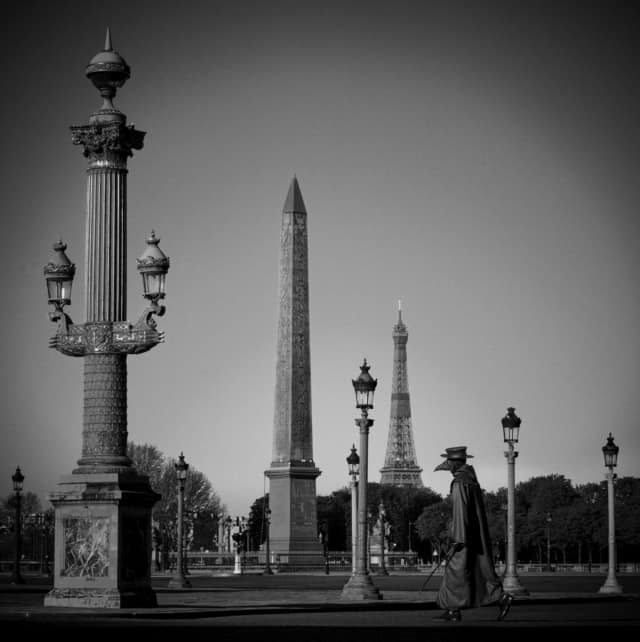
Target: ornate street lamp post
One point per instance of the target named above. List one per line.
(97, 561)
(179, 580)
(18, 479)
(511, 429)
(267, 558)
(354, 469)
(360, 586)
(610, 452)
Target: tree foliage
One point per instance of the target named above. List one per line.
(202, 506)
(550, 512)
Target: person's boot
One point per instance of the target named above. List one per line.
(449, 615)
(504, 605)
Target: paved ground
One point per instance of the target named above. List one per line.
(306, 608)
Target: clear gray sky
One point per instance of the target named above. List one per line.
(478, 160)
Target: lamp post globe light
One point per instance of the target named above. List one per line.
(353, 462)
(511, 430)
(360, 585)
(97, 561)
(17, 478)
(610, 451)
(179, 580)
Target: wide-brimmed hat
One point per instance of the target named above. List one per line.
(456, 453)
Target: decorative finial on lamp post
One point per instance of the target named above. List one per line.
(108, 71)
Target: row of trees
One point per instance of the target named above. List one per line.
(549, 510)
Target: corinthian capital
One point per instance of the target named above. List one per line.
(111, 141)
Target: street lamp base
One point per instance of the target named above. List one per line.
(267, 571)
(16, 578)
(610, 586)
(511, 584)
(360, 587)
(179, 581)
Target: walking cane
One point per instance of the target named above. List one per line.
(446, 558)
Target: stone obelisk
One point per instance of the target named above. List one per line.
(292, 474)
(400, 465)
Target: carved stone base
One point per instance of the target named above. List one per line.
(101, 598)
(102, 554)
(360, 587)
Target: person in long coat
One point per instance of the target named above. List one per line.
(469, 578)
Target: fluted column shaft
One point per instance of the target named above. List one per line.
(611, 584)
(106, 245)
(511, 581)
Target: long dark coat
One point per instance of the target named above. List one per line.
(469, 579)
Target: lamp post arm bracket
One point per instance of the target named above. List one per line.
(70, 339)
(138, 338)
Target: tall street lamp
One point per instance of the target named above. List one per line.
(511, 429)
(548, 519)
(17, 478)
(354, 469)
(383, 532)
(610, 451)
(179, 580)
(105, 499)
(360, 585)
(267, 558)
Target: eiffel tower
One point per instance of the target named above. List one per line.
(400, 465)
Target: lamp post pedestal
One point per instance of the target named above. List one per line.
(511, 582)
(91, 568)
(611, 584)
